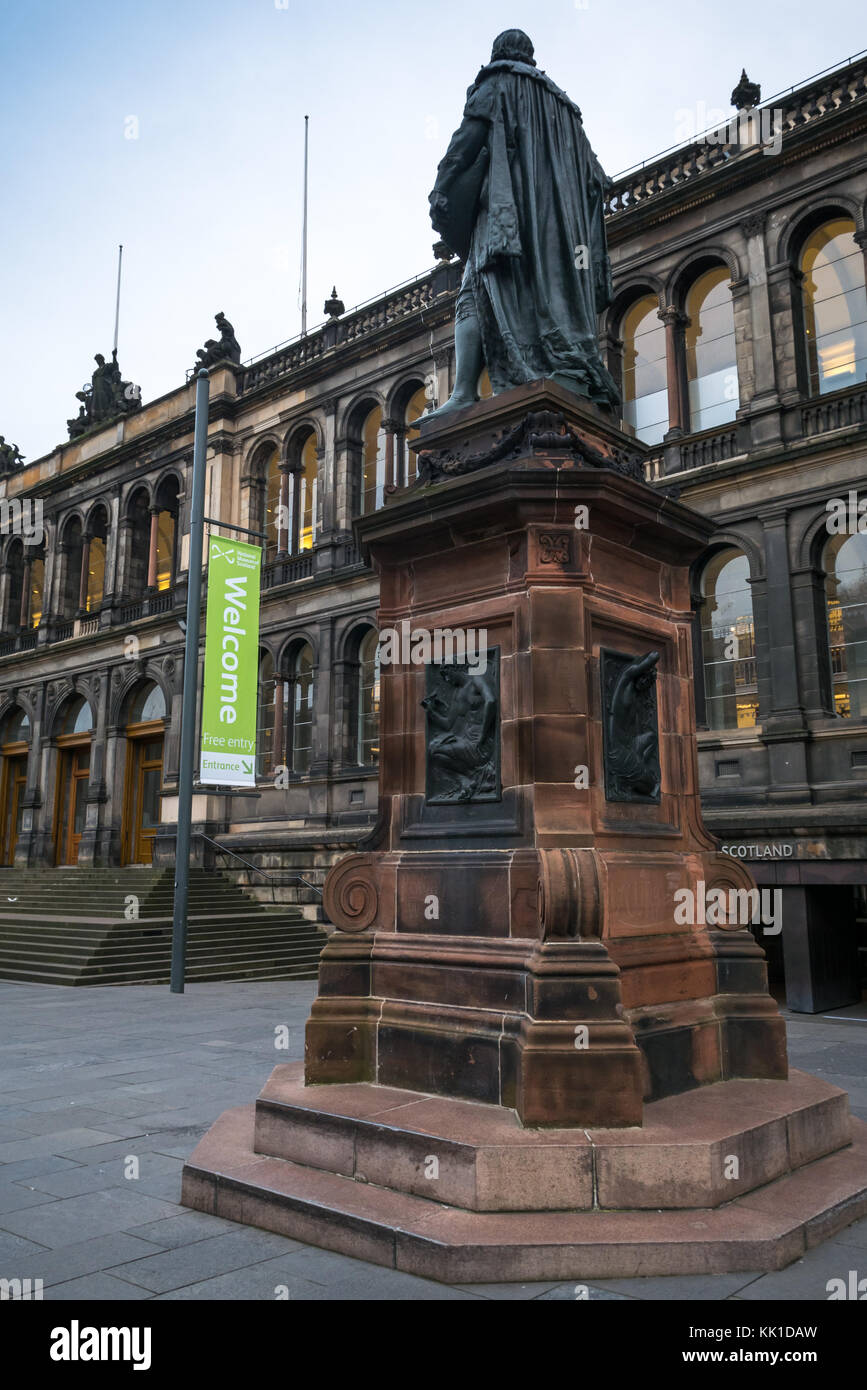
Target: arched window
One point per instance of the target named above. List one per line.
(368, 699)
(166, 533)
(307, 484)
(373, 461)
(147, 703)
(835, 307)
(137, 544)
(76, 718)
(645, 384)
(302, 485)
(96, 549)
(711, 363)
(728, 642)
(484, 389)
(415, 408)
(301, 711)
(72, 544)
(14, 585)
(845, 564)
(273, 701)
(16, 728)
(37, 590)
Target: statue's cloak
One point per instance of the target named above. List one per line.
(525, 211)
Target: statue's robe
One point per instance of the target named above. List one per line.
(519, 196)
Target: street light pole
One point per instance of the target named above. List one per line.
(191, 672)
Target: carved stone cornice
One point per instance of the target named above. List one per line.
(539, 429)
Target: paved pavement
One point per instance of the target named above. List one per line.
(104, 1093)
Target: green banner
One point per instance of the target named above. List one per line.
(229, 698)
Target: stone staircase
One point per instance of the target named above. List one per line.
(70, 927)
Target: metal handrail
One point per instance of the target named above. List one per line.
(224, 849)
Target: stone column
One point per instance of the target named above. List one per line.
(675, 322)
(390, 426)
(675, 374)
(321, 755)
(279, 720)
(327, 472)
(785, 291)
(764, 406)
(90, 849)
(284, 538)
(85, 569)
(343, 737)
(784, 728)
(152, 547)
(442, 357)
(346, 487)
(24, 615)
(611, 348)
(27, 847)
(111, 552)
(58, 577)
(811, 634)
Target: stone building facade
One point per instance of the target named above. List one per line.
(738, 333)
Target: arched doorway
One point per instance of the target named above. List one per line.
(73, 775)
(145, 730)
(14, 747)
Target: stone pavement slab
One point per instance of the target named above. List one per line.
(92, 1076)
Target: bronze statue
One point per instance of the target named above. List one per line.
(519, 197)
(631, 727)
(225, 349)
(462, 737)
(107, 397)
(11, 456)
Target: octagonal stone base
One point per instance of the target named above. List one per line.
(742, 1175)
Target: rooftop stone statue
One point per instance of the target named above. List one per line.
(519, 197)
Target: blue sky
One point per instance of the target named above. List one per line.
(207, 198)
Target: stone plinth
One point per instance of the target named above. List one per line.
(523, 1062)
(520, 947)
(462, 1192)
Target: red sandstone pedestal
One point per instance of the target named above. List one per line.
(511, 1001)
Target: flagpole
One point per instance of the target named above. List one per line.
(117, 302)
(188, 699)
(304, 241)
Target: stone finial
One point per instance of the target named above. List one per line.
(334, 307)
(746, 94)
(442, 252)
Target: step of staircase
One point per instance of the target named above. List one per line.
(68, 927)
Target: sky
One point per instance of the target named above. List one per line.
(176, 127)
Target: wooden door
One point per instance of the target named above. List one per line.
(12, 805)
(142, 802)
(73, 777)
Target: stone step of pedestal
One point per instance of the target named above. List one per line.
(762, 1230)
(698, 1149)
